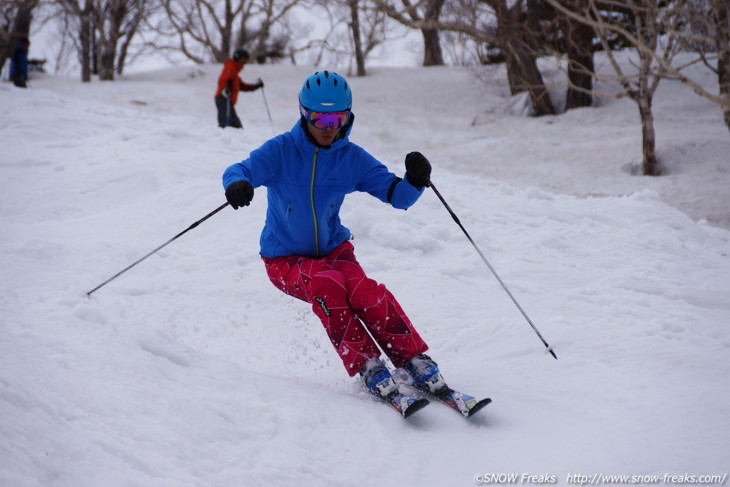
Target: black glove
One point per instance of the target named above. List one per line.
(239, 193)
(225, 92)
(260, 84)
(418, 170)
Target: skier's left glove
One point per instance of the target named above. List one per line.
(239, 193)
(418, 170)
(225, 92)
(260, 84)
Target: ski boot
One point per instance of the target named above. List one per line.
(379, 382)
(425, 374)
(426, 377)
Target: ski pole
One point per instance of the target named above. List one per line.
(159, 248)
(504, 286)
(271, 121)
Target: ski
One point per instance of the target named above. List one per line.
(404, 404)
(465, 404)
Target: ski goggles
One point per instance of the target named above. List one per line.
(325, 120)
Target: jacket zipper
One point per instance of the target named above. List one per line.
(311, 198)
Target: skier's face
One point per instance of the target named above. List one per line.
(323, 137)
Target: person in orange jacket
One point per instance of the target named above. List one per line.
(229, 84)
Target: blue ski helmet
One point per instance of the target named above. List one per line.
(326, 91)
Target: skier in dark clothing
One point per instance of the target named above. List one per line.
(19, 64)
(307, 251)
(229, 84)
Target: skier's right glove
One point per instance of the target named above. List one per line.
(239, 193)
(225, 92)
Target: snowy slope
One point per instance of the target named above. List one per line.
(192, 370)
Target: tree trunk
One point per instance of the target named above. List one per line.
(23, 18)
(123, 50)
(524, 75)
(85, 42)
(528, 77)
(107, 58)
(580, 65)
(355, 26)
(650, 164)
(647, 87)
(522, 71)
(117, 13)
(131, 31)
(94, 49)
(6, 39)
(432, 53)
(227, 34)
(722, 40)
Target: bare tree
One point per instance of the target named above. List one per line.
(424, 16)
(130, 30)
(83, 16)
(655, 35)
(721, 19)
(356, 36)
(708, 34)
(502, 24)
(263, 42)
(15, 19)
(642, 84)
(575, 42)
(368, 30)
(329, 42)
(356, 29)
(103, 31)
(514, 37)
(116, 22)
(462, 47)
(209, 29)
(523, 32)
(432, 53)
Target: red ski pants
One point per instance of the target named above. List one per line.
(350, 305)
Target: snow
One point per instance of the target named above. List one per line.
(191, 369)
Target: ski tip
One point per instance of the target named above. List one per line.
(416, 406)
(478, 406)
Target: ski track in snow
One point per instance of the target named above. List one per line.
(192, 370)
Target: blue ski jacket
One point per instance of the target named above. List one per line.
(306, 185)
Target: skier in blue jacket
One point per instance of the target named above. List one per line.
(307, 252)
